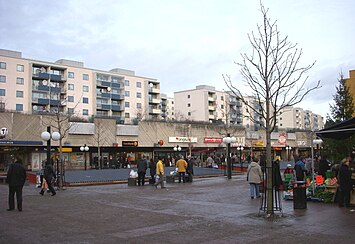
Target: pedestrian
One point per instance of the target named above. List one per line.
(277, 180)
(49, 176)
(190, 168)
(254, 177)
(300, 169)
(209, 162)
(181, 165)
(159, 173)
(142, 165)
(288, 170)
(344, 181)
(152, 167)
(16, 177)
(323, 165)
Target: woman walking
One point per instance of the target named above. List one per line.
(254, 177)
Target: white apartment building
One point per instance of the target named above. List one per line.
(167, 107)
(298, 118)
(33, 86)
(201, 104)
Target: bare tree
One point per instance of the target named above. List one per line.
(99, 139)
(60, 121)
(272, 72)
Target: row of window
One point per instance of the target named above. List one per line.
(19, 67)
(18, 93)
(19, 80)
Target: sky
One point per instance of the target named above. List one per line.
(182, 43)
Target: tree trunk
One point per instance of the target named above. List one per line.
(269, 191)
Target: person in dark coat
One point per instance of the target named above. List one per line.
(153, 168)
(323, 165)
(49, 175)
(142, 165)
(277, 180)
(190, 168)
(344, 180)
(16, 177)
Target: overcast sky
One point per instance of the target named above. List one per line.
(182, 43)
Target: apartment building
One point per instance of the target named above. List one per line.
(203, 103)
(167, 107)
(298, 118)
(350, 83)
(33, 86)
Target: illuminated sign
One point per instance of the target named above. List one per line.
(182, 139)
(130, 143)
(212, 140)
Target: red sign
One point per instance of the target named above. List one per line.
(212, 140)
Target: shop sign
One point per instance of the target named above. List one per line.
(212, 140)
(130, 143)
(301, 143)
(66, 149)
(36, 143)
(282, 138)
(182, 139)
(259, 144)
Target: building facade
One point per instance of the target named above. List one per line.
(66, 86)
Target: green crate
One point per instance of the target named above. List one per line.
(329, 174)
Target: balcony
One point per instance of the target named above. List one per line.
(154, 111)
(154, 100)
(103, 83)
(116, 108)
(211, 116)
(213, 107)
(103, 106)
(117, 96)
(212, 98)
(154, 90)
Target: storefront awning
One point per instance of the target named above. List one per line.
(340, 130)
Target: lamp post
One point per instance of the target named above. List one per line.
(228, 140)
(314, 142)
(177, 148)
(47, 136)
(240, 148)
(84, 149)
(288, 151)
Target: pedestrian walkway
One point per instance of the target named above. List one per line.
(208, 210)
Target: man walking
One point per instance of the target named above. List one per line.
(160, 173)
(190, 167)
(181, 165)
(142, 169)
(16, 177)
(49, 175)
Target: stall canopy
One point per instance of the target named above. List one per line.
(340, 130)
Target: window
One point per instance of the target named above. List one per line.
(172, 113)
(70, 86)
(222, 98)
(139, 105)
(20, 68)
(139, 95)
(126, 93)
(280, 124)
(126, 104)
(19, 107)
(126, 115)
(71, 99)
(70, 110)
(19, 93)
(19, 81)
(126, 82)
(85, 112)
(222, 106)
(2, 79)
(85, 100)
(172, 102)
(2, 92)
(188, 105)
(189, 114)
(70, 74)
(85, 77)
(139, 84)
(85, 88)
(2, 65)
(188, 96)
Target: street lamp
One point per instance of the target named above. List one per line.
(177, 148)
(314, 142)
(288, 151)
(240, 148)
(47, 136)
(86, 149)
(228, 140)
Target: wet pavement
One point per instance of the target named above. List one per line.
(208, 210)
